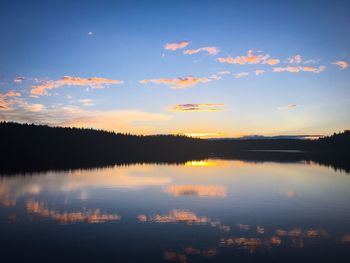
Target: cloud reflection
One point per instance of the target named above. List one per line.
(196, 190)
(88, 216)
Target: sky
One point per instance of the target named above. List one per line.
(200, 68)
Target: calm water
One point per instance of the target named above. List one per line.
(203, 211)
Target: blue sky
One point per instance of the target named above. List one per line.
(256, 67)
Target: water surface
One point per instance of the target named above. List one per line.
(203, 211)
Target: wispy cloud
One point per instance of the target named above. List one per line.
(294, 59)
(140, 122)
(288, 107)
(94, 82)
(299, 69)
(176, 45)
(215, 77)
(259, 72)
(6, 101)
(19, 79)
(86, 102)
(250, 58)
(183, 82)
(29, 107)
(241, 74)
(210, 50)
(341, 64)
(225, 72)
(197, 107)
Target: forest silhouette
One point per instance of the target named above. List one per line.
(29, 147)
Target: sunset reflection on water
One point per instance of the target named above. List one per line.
(254, 208)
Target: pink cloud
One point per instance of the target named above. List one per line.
(259, 72)
(197, 107)
(299, 69)
(5, 102)
(341, 64)
(295, 59)
(175, 46)
(250, 58)
(94, 82)
(210, 50)
(183, 82)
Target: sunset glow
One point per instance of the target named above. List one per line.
(231, 78)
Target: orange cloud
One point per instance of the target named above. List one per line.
(250, 58)
(175, 46)
(341, 64)
(272, 61)
(210, 50)
(183, 82)
(208, 107)
(94, 82)
(313, 69)
(196, 190)
(5, 102)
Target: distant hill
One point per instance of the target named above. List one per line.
(262, 137)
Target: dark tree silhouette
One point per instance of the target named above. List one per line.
(29, 146)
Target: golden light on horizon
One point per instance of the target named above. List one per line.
(201, 163)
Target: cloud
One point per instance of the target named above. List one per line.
(272, 61)
(196, 190)
(5, 102)
(259, 72)
(87, 216)
(240, 75)
(299, 69)
(215, 77)
(86, 102)
(287, 69)
(183, 82)
(341, 64)
(313, 69)
(294, 59)
(94, 82)
(35, 107)
(288, 107)
(137, 121)
(225, 72)
(18, 80)
(210, 50)
(175, 46)
(250, 58)
(91, 33)
(196, 107)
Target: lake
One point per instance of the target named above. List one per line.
(212, 210)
